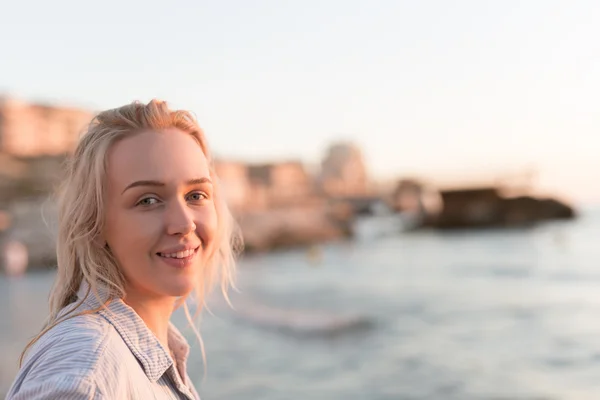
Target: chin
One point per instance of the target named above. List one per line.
(178, 289)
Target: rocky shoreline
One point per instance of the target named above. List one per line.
(488, 208)
(28, 215)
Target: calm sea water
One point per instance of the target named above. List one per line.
(482, 315)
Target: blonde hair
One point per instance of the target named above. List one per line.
(81, 253)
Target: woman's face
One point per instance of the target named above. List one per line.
(160, 215)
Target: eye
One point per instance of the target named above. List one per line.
(197, 196)
(148, 201)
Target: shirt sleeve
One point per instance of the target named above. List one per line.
(63, 387)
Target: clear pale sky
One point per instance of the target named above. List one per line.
(441, 89)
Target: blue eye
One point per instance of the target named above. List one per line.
(148, 201)
(197, 196)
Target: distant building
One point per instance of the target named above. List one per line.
(234, 182)
(34, 130)
(280, 184)
(343, 171)
(260, 186)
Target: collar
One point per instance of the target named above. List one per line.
(144, 345)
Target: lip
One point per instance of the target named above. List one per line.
(179, 262)
(176, 249)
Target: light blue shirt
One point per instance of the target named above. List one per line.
(108, 354)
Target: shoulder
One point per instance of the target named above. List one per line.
(76, 344)
(73, 356)
(65, 386)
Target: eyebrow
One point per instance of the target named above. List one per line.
(197, 181)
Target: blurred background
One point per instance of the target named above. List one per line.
(417, 183)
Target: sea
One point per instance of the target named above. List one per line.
(487, 315)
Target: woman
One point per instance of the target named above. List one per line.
(142, 225)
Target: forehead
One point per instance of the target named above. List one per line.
(168, 156)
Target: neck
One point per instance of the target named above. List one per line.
(155, 311)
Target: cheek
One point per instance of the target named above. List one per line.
(130, 237)
(207, 224)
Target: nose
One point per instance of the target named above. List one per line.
(178, 219)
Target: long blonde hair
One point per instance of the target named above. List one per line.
(81, 255)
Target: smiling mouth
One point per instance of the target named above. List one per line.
(180, 254)
(180, 259)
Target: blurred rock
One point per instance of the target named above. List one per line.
(487, 208)
(292, 226)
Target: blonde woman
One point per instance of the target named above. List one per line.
(142, 226)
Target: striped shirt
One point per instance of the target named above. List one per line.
(108, 354)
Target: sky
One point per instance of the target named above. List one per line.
(444, 90)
